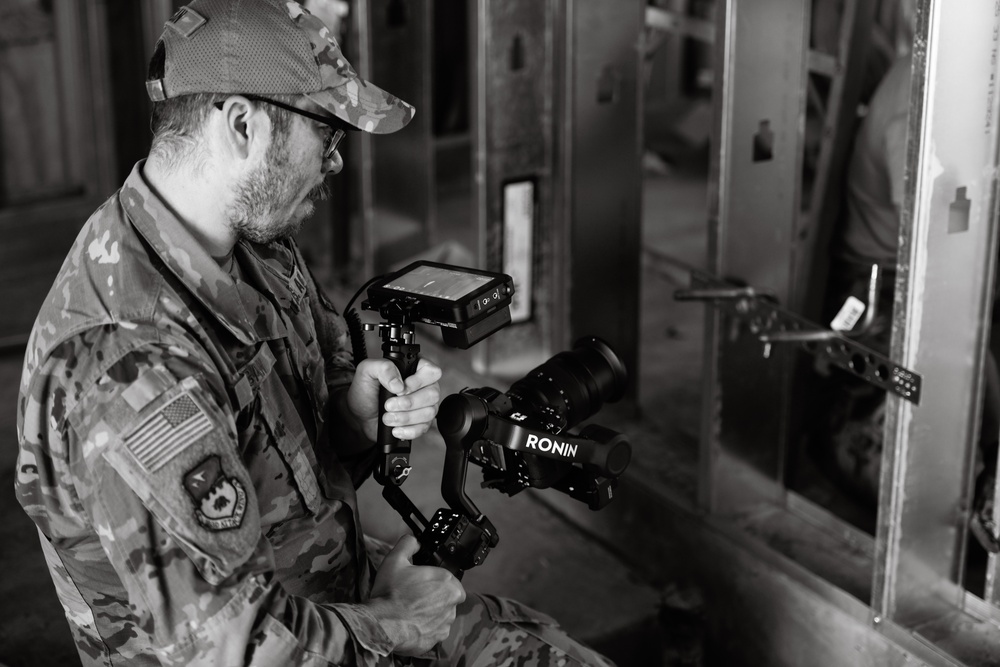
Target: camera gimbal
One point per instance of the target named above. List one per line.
(521, 438)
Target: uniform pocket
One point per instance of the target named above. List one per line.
(505, 610)
(260, 392)
(289, 437)
(274, 644)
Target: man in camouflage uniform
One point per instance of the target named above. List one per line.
(192, 429)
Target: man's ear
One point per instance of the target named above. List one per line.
(244, 124)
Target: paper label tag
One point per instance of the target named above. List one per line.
(849, 314)
(518, 227)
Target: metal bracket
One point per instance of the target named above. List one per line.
(773, 324)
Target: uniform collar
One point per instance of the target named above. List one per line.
(241, 309)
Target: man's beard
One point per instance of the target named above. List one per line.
(267, 192)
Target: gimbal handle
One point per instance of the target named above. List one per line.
(455, 539)
(399, 347)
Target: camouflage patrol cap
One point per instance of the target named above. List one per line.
(263, 47)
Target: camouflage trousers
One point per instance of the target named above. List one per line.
(491, 631)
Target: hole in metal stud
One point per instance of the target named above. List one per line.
(958, 212)
(763, 142)
(516, 53)
(857, 364)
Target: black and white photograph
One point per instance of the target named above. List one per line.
(499, 333)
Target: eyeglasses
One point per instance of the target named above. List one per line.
(336, 125)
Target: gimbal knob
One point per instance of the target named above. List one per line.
(459, 415)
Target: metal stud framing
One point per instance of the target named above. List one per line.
(944, 295)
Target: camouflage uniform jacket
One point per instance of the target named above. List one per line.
(177, 453)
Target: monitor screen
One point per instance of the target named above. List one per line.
(436, 282)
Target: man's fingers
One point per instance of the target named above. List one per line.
(387, 375)
(418, 419)
(427, 373)
(383, 372)
(389, 378)
(411, 407)
(425, 397)
(410, 432)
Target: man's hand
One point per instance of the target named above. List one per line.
(412, 409)
(415, 604)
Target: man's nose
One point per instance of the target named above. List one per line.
(334, 164)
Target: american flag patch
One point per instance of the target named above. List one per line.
(167, 432)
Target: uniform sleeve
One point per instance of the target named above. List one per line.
(176, 512)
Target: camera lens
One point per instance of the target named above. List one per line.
(576, 383)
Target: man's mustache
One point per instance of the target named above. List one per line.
(321, 191)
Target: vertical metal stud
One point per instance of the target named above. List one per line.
(360, 236)
(514, 148)
(399, 166)
(602, 180)
(558, 114)
(753, 210)
(943, 295)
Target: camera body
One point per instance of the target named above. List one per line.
(528, 445)
(525, 438)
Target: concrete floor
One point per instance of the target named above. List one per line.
(544, 558)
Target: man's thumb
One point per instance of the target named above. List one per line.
(404, 549)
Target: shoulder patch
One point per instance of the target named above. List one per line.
(180, 459)
(166, 432)
(219, 500)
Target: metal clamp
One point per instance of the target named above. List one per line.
(723, 293)
(771, 323)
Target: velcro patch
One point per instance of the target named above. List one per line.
(155, 90)
(150, 385)
(186, 21)
(167, 432)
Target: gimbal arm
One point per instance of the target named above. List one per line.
(601, 450)
(462, 419)
(516, 452)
